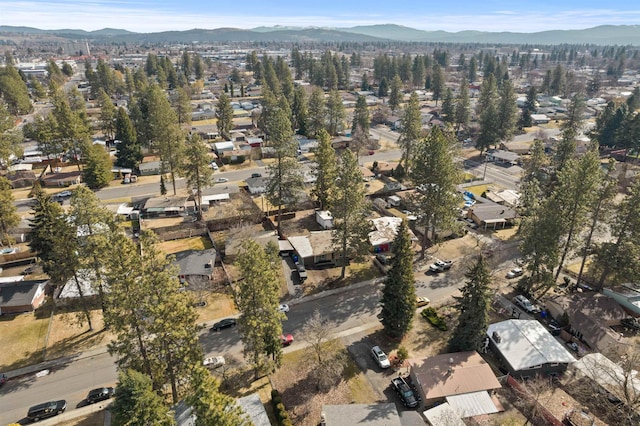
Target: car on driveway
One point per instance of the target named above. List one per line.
(514, 273)
(214, 361)
(404, 391)
(380, 357)
(525, 304)
(46, 410)
(440, 265)
(422, 301)
(283, 307)
(302, 272)
(225, 323)
(100, 394)
(286, 339)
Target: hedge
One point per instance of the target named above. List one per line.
(431, 315)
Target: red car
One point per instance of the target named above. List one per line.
(286, 339)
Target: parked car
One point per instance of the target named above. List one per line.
(225, 323)
(380, 357)
(256, 175)
(283, 307)
(63, 194)
(302, 272)
(440, 265)
(514, 273)
(525, 304)
(222, 180)
(286, 339)
(46, 410)
(214, 361)
(383, 258)
(214, 165)
(471, 224)
(100, 394)
(422, 301)
(404, 391)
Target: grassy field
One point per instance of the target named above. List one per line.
(193, 243)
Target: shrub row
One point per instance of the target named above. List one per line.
(278, 407)
(432, 316)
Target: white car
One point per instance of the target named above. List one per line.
(63, 194)
(380, 357)
(222, 180)
(283, 307)
(525, 304)
(214, 362)
(515, 272)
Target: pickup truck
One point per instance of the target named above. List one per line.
(440, 266)
(405, 392)
(302, 272)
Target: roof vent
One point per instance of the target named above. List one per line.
(208, 264)
(496, 337)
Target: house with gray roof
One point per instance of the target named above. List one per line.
(196, 264)
(150, 168)
(385, 414)
(527, 349)
(22, 296)
(165, 206)
(254, 409)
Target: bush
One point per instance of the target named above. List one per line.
(274, 393)
(432, 316)
(277, 400)
(280, 407)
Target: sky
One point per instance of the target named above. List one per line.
(457, 15)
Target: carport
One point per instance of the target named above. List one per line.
(494, 222)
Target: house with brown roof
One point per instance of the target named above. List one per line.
(440, 377)
(165, 206)
(61, 179)
(22, 296)
(489, 215)
(314, 249)
(591, 316)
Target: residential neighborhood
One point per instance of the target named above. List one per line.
(319, 233)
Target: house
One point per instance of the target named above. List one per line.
(72, 288)
(233, 243)
(501, 156)
(257, 185)
(385, 414)
(150, 168)
(324, 219)
(461, 374)
(489, 215)
(590, 316)
(255, 142)
(527, 349)
(254, 409)
(540, 118)
(221, 147)
(22, 296)
(22, 178)
(165, 206)
(196, 265)
(506, 197)
(314, 249)
(62, 179)
(627, 295)
(386, 228)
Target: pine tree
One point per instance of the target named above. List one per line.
(9, 218)
(383, 88)
(399, 295)
(107, 114)
(349, 208)
(462, 106)
(325, 170)
(411, 129)
(448, 107)
(437, 82)
(317, 113)
(361, 116)
(181, 104)
(224, 116)
(299, 110)
(257, 300)
(396, 95)
(507, 111)
(97, 170)
(335, 113)
(196, 169)
(128, 151)
(473, 305)
(137, 403)
(487, 109)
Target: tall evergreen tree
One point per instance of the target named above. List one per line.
(383, 88)
(257, 300)
(437, 82)
(224, 116)
(9, 217)
(107, 114)
(462, 106)
(411, 129)
(448, 107)
(128, 151)
(349, 208)
(97, 170)
(473, 305)
(196, 169)
(487, 109)
(507, 111)
(399, 295)
(181, 105)
(335, 113)
(395, 96)
(136, 403)
(325, 170)
(317, 112)
(361, 116)
(299, 110)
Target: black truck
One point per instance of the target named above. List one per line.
(404, 391)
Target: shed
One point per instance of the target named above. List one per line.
(324, 219)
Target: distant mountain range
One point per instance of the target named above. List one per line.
(602, 35)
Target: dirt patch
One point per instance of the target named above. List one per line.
(92, 419)
(454, 249)
(304, 401)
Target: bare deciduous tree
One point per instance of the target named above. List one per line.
(328, 358)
